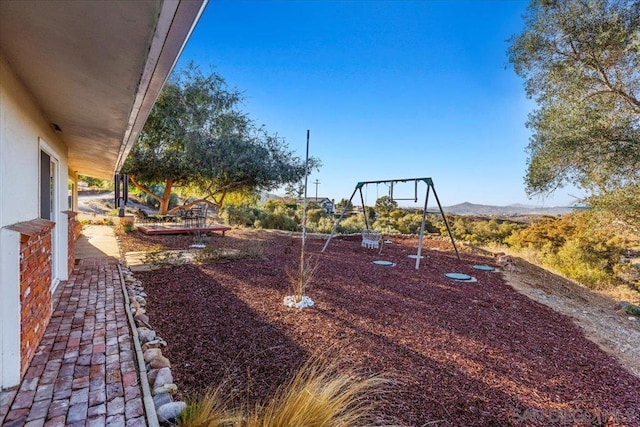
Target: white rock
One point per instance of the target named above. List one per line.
(146, 334)
(170, 411)
(163, 377)
(167, 388)
(290, 301)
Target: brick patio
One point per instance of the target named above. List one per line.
(83, 372)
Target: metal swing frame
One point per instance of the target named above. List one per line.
(430, 187)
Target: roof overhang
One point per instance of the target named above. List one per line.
(96, 68)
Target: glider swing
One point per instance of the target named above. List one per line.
(391, 182)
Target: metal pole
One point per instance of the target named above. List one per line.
(316, 182)
(422, 226)
(446, 223)
(304, 220)
(364, 210)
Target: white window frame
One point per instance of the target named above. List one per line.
(55, 205)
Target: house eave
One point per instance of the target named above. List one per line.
(95, 69)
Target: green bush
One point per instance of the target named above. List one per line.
(277, 221)
(384, 225)
(239, 215)
(578, 262)
(353, 224)
(323, 225)
(315, 215)
(582, 246)
(410, 224)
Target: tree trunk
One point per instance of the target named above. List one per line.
(166, 197)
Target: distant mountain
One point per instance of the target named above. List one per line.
(467, 208)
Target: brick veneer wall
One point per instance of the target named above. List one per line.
(74, 230)
(35, 284)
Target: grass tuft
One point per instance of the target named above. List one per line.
(300, 279)
(318, 395)
(210, 410)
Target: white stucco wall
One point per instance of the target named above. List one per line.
(9, 308)
(24, 130)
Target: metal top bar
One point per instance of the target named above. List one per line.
(429, 181)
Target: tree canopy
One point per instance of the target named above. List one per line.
(581, 63)
(197, 137)
(384, 205)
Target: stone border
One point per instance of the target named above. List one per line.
(147, 398)
(155, 370)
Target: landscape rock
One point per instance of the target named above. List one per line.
(632, 309)
(157, 343)
(167, 388)
(152, 374)
(141, 317)
(162, 399)
(163, 376)
(143, 321)
(159, 362)
(170, 411)
(141, 300)
(146, 334)
(151, 353)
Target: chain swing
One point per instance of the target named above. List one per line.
(430, 187)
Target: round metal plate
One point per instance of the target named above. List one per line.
(458, 276)
(484, 268)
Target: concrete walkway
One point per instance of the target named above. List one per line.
(84, 372)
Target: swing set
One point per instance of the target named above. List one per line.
(391, 183)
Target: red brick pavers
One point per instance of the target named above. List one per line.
(83, 373)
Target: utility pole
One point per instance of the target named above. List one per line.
(316, 182)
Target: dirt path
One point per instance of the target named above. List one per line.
(613, 331)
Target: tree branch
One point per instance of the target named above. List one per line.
(143, 188)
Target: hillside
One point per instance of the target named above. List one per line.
(517, 209)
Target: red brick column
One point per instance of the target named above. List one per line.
(35, 284)
(74, 230)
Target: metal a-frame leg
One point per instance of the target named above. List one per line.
(336, 222)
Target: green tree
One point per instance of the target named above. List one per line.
(245, 197)
(342, 203)
(196, 136)
(581, 63)
(384, 205)
(294, 190)
(95, 182)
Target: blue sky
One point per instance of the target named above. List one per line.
(388, 89)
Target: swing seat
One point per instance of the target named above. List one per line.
(371, 239)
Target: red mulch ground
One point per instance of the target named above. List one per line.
(472, 354)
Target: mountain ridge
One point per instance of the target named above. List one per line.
(515, 209)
